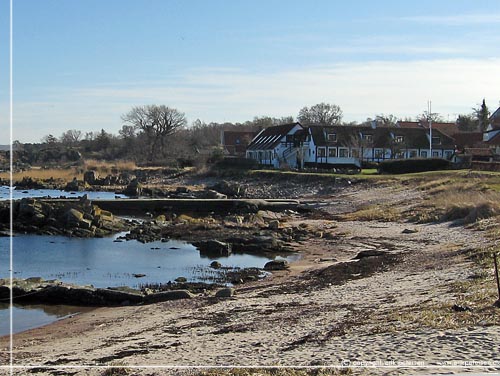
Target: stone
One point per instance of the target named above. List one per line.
(90, 177)
(167, 295)
(211, 194)
(274, 225)
(73, 216)
(408, 231)
(213, 248)
(276, 265)
(369, 253)
(72, 186)
(181, 280)
(134, 188)
(461, 308)
(215, 265)
(225, 293)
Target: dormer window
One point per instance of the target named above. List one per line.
(436, 140)
(399, 139)
(331, 137)
(367, 137)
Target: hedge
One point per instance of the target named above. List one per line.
(403, 166)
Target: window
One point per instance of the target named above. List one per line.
(379, 153)
(332, 152)
(448, 154)
(355, 153)
(343, 152)
(413, 154)
(400, 155)
(423, 153)
(436, 140)
(367, 137)
(321, 152)
(332, 137)
(399, 139)
(436, 154)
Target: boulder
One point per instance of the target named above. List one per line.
(274, 225)
(215, 265)
(213, 248)
(276, 265)
(73, 216)
(72, 186)
(225, 293)
(167, 295)
(134, 189)
(211, 194)
(90, 177)
(369, 253)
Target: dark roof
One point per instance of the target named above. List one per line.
(236, 142)
(408, 124)
(468, 139)
(382, 137)
(270, 137)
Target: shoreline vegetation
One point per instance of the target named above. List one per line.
(393, 268)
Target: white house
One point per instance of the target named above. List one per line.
(278, 146)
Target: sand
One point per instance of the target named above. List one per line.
(294, 318)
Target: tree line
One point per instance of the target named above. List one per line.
(155, 134)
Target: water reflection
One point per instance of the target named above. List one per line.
(34, 315)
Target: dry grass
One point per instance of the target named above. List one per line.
(66, 174)
(104, 168)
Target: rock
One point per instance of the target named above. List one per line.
(408, 231)
(461, 308)
(213, 248)
(167, 295)
(72, 186)
(138, 275)
(229, 189)
(276, 265)
(225, 293)
(73, 216)
(181, 279)
(211, 194)
(90, 177)
(215, 265)
(369, 253)
(274, 225)
(134, 188)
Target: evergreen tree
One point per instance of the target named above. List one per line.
(483, 115)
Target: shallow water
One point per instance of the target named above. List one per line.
(18, 194)
(32, 316)
(102, 262)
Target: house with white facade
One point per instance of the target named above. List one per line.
(278, 146)
(327, 147)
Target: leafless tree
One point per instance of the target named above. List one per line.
(157, 123)
(71, 137)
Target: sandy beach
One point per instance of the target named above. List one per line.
(392, 312)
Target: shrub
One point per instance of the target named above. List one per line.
(403, 166)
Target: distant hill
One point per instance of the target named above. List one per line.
(4, 147)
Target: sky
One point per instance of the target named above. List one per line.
(82, 64)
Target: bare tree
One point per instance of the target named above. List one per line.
(71, 137)
(157, 123)
(322, 113)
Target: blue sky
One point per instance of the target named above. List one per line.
(81, 64)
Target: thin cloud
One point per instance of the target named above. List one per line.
(360, 89)
(456, 20)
